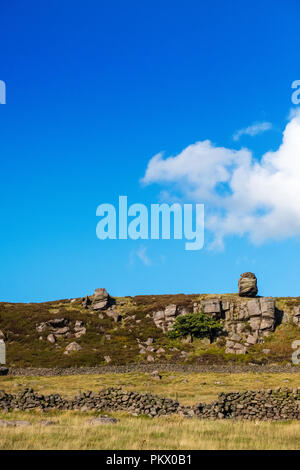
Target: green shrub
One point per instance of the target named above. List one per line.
(198, 325)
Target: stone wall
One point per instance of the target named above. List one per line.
(279, 404)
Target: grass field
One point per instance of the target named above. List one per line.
(71, 430)
(188, 388)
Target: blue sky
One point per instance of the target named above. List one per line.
(95, 90)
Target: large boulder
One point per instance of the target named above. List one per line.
(248, 285)
(101, 299)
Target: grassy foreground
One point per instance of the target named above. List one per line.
(72, 431)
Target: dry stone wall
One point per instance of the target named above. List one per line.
(279, 404)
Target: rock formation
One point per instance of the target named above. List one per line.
(246, 322)
(248, 285)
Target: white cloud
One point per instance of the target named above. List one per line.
(141, 254)
(241, 195)
(257, 128)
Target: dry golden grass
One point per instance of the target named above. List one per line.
(188, 388)
(72, 431)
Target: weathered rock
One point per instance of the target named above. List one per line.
(100, 305)
(296, 315)
(79, 329)
(251, 339)
(254, 308)
(212, 306)
(58, 322)
(149, 341)
(11, 423)
(267, 324)
(101, 299)
(155, 375)
(187, 339)
(100, 293)
(86, 301)
(160, 351)
(114, 315)
(225, 305)
(235, 337)
(266, 351)
(247, 285)
(72, 347)
(267, 305)
(62, 331)
(41, 327)
(80, 332)
(51, 338)
(103, 420)
(170, 311)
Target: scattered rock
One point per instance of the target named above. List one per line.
(205, 341)
(11, 423)
(114, 315)
(103, 420)
(41, 327)
(51, 338)
(155, 375)
(160, 351)
(79, 329)
(266, 351)
(149, 341)
(57, 322)
(72, 347)
(47, 422)
(86, 301)
(187, 339)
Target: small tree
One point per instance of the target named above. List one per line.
(197, 325)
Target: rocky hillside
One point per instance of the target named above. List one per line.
(99, 330)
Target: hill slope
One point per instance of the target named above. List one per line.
(124, 332)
